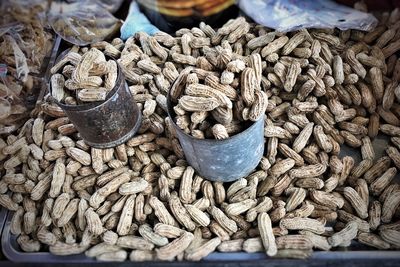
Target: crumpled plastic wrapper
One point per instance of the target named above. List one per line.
(82, 23)
(291, 15)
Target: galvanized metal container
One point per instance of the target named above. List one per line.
(107, 123)
(223, 160)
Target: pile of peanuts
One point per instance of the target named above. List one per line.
(85, 77)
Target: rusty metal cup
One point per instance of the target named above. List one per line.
(222, 160)
(107, 123)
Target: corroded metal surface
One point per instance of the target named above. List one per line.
(108, 123)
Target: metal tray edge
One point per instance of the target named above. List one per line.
(3, 217)
(13, 254)
(8, 242)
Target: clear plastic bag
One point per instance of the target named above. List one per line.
(290, 15)
(111, 5)
(12, 106)
(82, 23)
(24, 3)
(23, 33)
(5, 108)
(21, 63)
(24, 44)
(135, 22)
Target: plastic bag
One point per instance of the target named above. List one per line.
(24, 44)
(25, 25)
(83, 22)
(290, 15)
(24, 3)
(20, 59)
(14, 26)
(136, 22)
(11, 102)
(111, 5)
